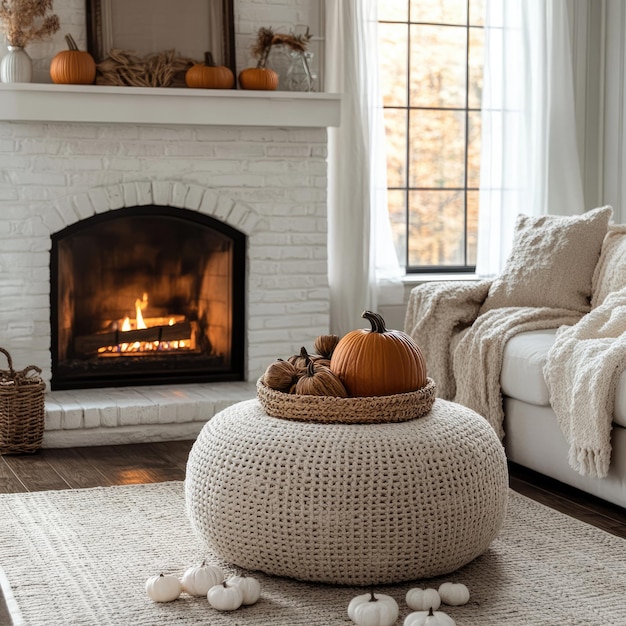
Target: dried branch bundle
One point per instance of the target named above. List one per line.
(266, 38)
(122, 67)
(260, 49)
(298, 43)
(25, 21)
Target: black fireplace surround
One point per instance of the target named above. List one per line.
(147, 295)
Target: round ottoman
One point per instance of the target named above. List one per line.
(354, 504)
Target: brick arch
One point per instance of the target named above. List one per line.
(178, 194)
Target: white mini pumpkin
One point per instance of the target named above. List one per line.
(372, 609)
(198, 579)
(454, 594)
(428, 618)
(250, 587)
(423, 599)
(163, 588)
(225, 597)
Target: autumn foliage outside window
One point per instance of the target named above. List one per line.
(431, 55)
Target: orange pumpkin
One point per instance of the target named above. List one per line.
(73, 66)
(378, 362)
(262, 78)
(208, 75)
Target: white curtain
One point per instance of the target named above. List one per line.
(360, 246)
(529, 161)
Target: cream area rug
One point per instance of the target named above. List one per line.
(83, 556)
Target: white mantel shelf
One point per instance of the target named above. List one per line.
(42, 102)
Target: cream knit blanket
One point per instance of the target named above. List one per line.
(478, 356)
(468, 370)
(581, 372)
(436, 312)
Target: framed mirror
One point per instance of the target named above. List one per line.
(190, 27)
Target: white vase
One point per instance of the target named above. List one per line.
(16, 66)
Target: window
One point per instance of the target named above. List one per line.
(431, 55)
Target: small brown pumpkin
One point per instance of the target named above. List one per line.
(325, 344)
(73, 66)
(378, 362)
(208, 75)
(280, 375)
(260, 78)
(318, 380)
(320, 360)
(301, 360)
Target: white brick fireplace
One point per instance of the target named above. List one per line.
(256, 162)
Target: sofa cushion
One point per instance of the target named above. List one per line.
(552, 262)
(522, 378)
(610, 272)
(524, 356)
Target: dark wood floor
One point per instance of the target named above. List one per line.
(568, 500)
(75, 468)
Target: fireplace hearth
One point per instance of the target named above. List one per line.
(147, 295)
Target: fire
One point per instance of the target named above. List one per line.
(167, 333)
(140, 305)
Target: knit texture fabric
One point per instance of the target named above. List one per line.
(464, 350)
(347, 503)
(581, 372)
(436, 312)
(477, 359)
(552, 262)
(610, 273)
(583, 367)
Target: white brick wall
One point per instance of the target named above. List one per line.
(270, 183)
(264, 182)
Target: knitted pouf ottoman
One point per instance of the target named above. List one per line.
(354, 504)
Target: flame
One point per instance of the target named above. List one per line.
(141, 323)
(140, 305)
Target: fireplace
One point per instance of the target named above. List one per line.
(147, 295)
(254, 162)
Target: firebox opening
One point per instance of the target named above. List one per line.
(147, 295)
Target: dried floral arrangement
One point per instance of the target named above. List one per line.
(124, 68)
(25, 21)
(266, 38)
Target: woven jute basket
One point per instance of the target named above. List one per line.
(22, 411)
(398, 407)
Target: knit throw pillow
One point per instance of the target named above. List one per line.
(552, 262)
(610, 272)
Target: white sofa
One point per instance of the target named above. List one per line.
(486, 345)
(533, 438)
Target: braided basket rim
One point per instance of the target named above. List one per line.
(398, 407)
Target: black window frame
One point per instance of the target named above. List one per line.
(466, 110)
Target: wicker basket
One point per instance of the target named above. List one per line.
(22, 412)
(398, 407)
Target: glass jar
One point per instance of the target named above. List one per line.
(279, 60)
(299, 75)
